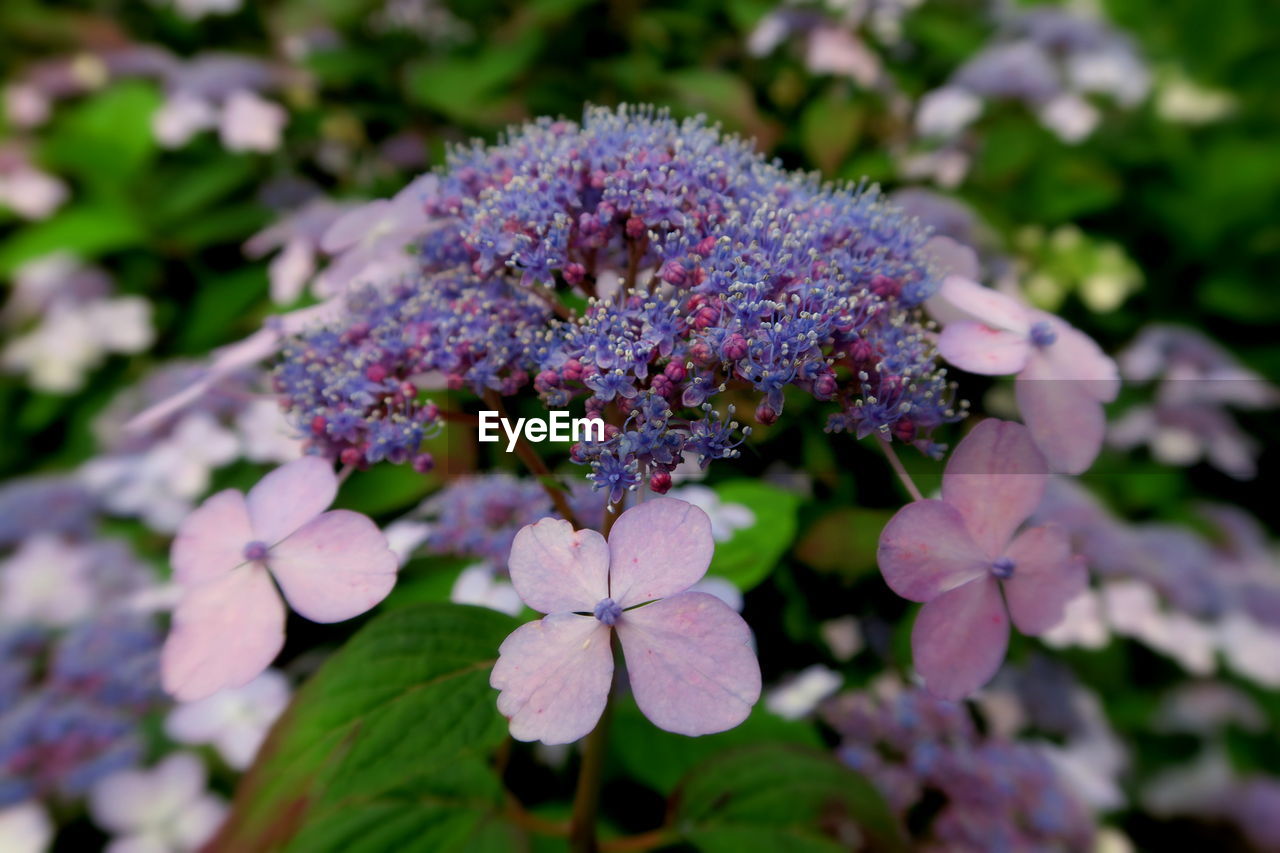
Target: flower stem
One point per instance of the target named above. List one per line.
(896, 464)
(536, 466)
(586, 800)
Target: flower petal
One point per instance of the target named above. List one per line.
(554, 675)
(691, 664)
(1046, 577)
(1066, 421)
(960, 638)
(224, 634)
(210, 541)
(556, 569)
(982, 349)
(290, 496)
(335, 567)
(960, 298)
(926, 549)
(996, 478)
(1077, 357)
(656, 549)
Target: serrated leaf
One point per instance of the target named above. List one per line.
(751, 554)
(772, 797)
(387, 747)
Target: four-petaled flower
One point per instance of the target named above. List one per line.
(688, 654)
(959, 553)
(229, 624)
(1063, 376)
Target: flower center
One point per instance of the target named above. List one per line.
(608, 611)
(255, 550)
(1042, 334)
(1003, 568)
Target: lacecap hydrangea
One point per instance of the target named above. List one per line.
(651, 270)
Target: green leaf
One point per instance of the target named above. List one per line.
(660, 758)
(386, 488)
(387, 747)
(724, 97)
(844, 541)
(107, 139)
(752, 553)
(472, 89)
(829, 128)
(772, 797)
(87, 230)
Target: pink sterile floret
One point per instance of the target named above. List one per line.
(229, 624)
(688, 654)
(958, 554)
(1064, 378)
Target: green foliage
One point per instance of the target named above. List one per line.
(387, 747)
(770, 797)
(751, 554)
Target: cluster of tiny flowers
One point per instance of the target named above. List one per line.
(644, 267)
(998, 794)
(73, 703)
(478, 516)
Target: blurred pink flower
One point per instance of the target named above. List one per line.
(298, 235)
(167, 808)
(958, 554)
(370, 243)
(688, 655)
(235, 720)
(181, 117)
(1064, 378)
(229, 624)
(251, 123)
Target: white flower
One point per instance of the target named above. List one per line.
(163, 809)
(1251, 649)
(193, 10)
(1133, 609)
(73, 338)
(843, 636)
(404, 537)
(1116, 73)
(1082, 624)
(46, 582)
(234, 720)
(25, 105)
(251, 123)
(945, 112)
(726, 518)
(31, 193)
(834, 50)
(25, 828)
(266, 433)
(1070, 117)
(799, 695)
(181, 117)
(477, 585)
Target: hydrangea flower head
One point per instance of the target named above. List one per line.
(1063, 376)
(691, 666)
(958, 554)
(229, 623)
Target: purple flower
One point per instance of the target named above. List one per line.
(688, 654)
(960, 553)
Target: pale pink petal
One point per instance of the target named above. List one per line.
(210, 541)
(980, 349)
(556, 569)
(290, 496)
(658, 548)
(554, 675)
(335, 567)
(960, 638)
(354, 225)
(290, 270)
(951, 257)
(690, 662)
(224, 634)
(926, 549)
(996, 478)
(1077, 357)
(964, 298)
(1045, 578)
(1065, 420)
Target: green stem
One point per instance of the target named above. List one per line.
(586, 800)
(898, 468)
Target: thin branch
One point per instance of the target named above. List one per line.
(896, 464)
(586, 799)
(536, 465)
